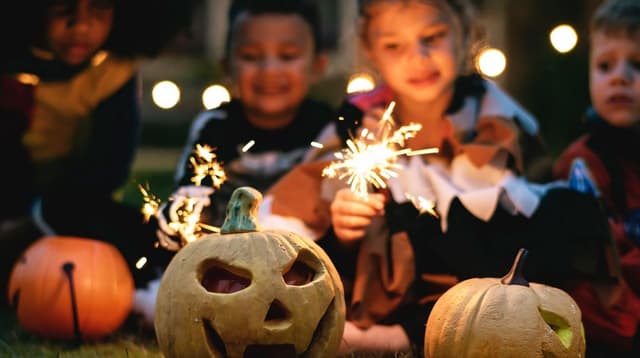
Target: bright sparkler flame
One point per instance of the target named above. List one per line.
(188, 218)
(371, 158)
(151, 203)
(205, 165)
(363, 164)
(423, 205)
(185, 210)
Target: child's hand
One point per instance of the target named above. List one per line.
(198, 196)
(351, 215)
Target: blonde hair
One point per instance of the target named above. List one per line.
(461, 15)
(617, 17)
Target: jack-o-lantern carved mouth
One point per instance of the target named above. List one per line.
(219, 278)
(268, 350)
(252, 350)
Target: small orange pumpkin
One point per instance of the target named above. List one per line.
(508, 317)
(71, 288)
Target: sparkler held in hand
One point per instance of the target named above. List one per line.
(370, 159)
(187, 203)
(151, 203)
(205, 165)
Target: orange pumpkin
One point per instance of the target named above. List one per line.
(71, 288)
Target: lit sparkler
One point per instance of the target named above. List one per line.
(184, 215)
(423, 205)
(370, 160)
(151, 203)
(187, 205)
(205, 165)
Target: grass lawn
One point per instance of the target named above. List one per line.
(130, 341)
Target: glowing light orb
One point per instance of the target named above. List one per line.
(360, 82)
(165, 94)
(214, 96)
(141, 262)
(563, 38)
(491, 62)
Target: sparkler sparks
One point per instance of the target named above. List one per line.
(205, 165)
(184, 215)
(370, 160)
(423, 205)
(188, 202)
(151, 203)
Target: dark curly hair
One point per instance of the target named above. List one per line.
(307, 9)
(140, 27)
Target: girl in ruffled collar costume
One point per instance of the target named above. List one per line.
(396, 260)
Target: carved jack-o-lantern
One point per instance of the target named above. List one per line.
(508, 317)
(250, 293)
(71, 288)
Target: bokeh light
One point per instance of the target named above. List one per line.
(491, 62)
(141, 262)
(563, 38)
(165, 94)
(360, 82)
(214, 96)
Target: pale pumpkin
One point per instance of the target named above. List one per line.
(508, 317)
(71, 288)
(250, 293)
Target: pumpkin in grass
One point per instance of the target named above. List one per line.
(508, 317)
(250, 293)
(71, 288)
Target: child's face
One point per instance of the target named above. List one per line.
(414, 48)
(76, 34)
(273, 64)
(615, 78)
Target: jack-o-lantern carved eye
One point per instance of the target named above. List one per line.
(218, 279)
(301, 272)
(559, 325)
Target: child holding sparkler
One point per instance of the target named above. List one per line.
(69, 104)
(611, 150)
(274, 54)
(471, 206)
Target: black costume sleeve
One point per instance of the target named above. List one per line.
(16, 103)
(349, 119)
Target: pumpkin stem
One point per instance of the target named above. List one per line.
(516, 275)
(242, 211)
